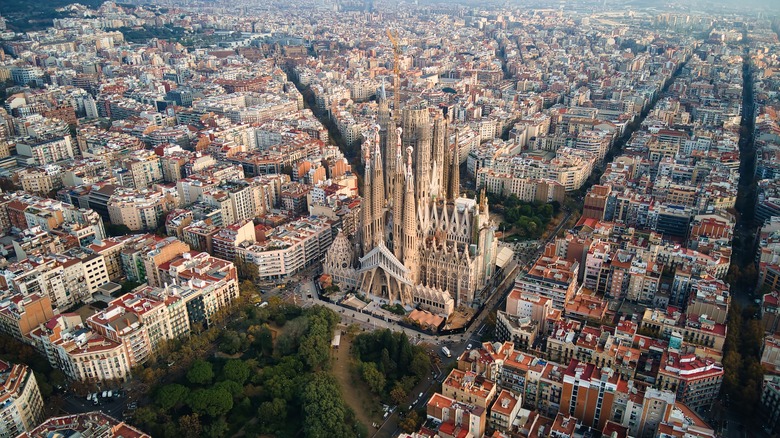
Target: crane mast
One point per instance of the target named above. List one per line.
(396, 76)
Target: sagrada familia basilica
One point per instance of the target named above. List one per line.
(419, 243)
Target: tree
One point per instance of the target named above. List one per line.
(189, 426)
(265, 341)
(247, 288)
(145, 416)
(129, 285)
(217, 429)
(233, 388)
(212, 402)
(57, 378)
(8, 185)
(170, 396)
(201, 373)
(421, 364)
(236, 370)
(372, 376)
(43, 385)
(352, 330)
(116, 230)
(398, 394)
(272, 413)
(230, 342)
(410, 423)
(325, 414)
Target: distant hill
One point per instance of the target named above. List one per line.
(26, 15)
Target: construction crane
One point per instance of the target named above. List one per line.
(397, 76)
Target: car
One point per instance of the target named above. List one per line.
(468, 347)
(104, 394)
(420, 396)
(110, 394)
(89, 397)
(411, 407)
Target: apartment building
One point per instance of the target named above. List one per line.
(41, 180)
(289, 248)
(95, 424)
(505, 410)
(139, 170)
(136, 322)
(457, 418)
(213, 283)
(21, 404)
(469, 387)
(237, 201)
(226, 240)
(142, 209)
(20, 314)
(80, 352)
(552, 277)
(136, 255)
(589, 392)
(695, 380)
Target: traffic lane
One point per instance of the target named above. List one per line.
(389, 427)
(73, 404)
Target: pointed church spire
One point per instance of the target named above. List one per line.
(398, 197)
(366, 210)
(382, 93)
(410, 222)
(378, 194)
(453, 189)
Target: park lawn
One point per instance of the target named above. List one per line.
(354, 390)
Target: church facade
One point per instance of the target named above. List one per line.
(420, 243)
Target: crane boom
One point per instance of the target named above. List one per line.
(396, 76)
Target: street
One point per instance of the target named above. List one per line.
(114, 406)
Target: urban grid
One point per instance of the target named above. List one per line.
(390, 218)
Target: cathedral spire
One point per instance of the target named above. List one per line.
(366, 211)
(398, 197)
(439, 151)
(453, 186)
(410, 222)
(378, 192)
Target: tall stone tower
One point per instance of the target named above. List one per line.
(386, 139)
(417, 134)
(378, 195)
(438, 158)
(411, 243)
(453, 186)
(398, 198)
(366, 207)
